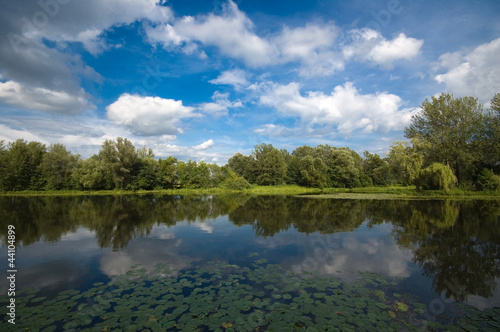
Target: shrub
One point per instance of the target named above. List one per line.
(488, 181)
(436, 177)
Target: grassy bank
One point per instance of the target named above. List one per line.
(393, 192)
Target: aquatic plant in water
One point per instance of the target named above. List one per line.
(225, 297)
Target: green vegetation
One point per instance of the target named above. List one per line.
(227, 297)
(454, 142)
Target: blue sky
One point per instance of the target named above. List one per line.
(206, 79)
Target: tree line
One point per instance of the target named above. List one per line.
(452, 141)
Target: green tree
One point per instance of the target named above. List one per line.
(376, 168)
(436, 177)
(56, 168)
(148, 170)
(243, 166)
(20, 165)
(495, 103)
(168, 176)
(121, 162)
(234, 182)
(344, 168)
(312, 172)
(488, 181)
(491, 150)
(270, 165)
(91, 174)
(453, 129)
(405, 162)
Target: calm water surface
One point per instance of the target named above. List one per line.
(239, 262)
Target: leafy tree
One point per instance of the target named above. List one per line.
(270, 165)
(244, 166)
(56, 168)
(194, 175)
(344, 168)
(452, 129)
(90, 174)
(168, 176)
(20, 165)
(491, 150)
(217, 175)
(436, 177)
(405, 162)
(234, 182)
(293, 170)
(495, 103)
(488, 181)
(148, 171)
(312, 172)
(121, 162)
(376, 168)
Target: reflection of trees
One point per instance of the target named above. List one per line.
(273, 214)
(466, 257)
(115, 219)
(456, 243)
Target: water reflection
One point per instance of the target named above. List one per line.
(456, 243)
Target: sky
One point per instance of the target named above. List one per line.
(203, 80)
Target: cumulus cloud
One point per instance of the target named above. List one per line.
(205, 145)
(345, 109)
(37, 98)
(220, 105)
(311, 45)
(370, 46)
(231, 32)
(44, 72)
(476, 73)
(235, 77)
(149, 115)
(314, 46)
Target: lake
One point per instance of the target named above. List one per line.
(251, 263)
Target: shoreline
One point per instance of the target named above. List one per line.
(382, 193)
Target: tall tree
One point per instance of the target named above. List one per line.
(148, 169)
(91, 174)
(376, 168)
(452, 128)
(56, 168)
(168, 176)
(344, 168)
(243, 166)
(121, 161)
(312, 172)
(405, 162)
(20, 165)
(270, 165)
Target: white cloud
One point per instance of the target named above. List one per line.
(220, 104)
(370, 46)
(232, 32)
(205, 145)
(9, 134)
(37, 98)
(234, 77)
(85, 22)
(311, 45)
(49, 78)
(345, 109)
(149, 115)
(474, 74)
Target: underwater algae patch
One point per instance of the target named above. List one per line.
(226, 297)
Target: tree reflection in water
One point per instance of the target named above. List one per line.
(457, 243)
